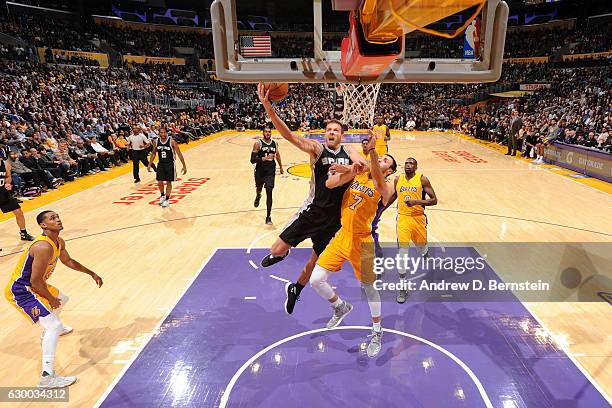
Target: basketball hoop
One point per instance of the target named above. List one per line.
(359, 102)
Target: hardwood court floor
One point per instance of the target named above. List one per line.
(147, 255)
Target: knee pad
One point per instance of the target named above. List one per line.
(319, 276)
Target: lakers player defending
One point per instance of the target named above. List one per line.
(39, 302)
(381, 131)
(265, 150)
(412, 189)
(354, 242)
(166, 149)
(319, 217)
(381, 207)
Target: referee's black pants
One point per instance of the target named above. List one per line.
(137, 157)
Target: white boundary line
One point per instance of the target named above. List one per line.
(549, 333)
(258, 238)
(70, 196)
(230, 385)
(108, 181)
(529, 163)
(142, 347)
(571, 357)
(280, 279)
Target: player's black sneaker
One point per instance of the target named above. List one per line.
(257, 198)
(270, 260)
(268, 221)
(292, 297)
(26, 237)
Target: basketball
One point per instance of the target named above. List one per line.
(278, 91)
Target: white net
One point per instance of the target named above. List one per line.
(359, 103)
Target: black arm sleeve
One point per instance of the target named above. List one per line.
(254, 158)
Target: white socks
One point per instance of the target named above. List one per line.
(374, 302)
(52, 327)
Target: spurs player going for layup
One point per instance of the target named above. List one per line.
(412, 189)
(39, 302)
(354, 242)
(265, 150)
(166, 148)
(319, 217)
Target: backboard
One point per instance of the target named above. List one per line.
(326, 66)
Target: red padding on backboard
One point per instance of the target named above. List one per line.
(354, 63)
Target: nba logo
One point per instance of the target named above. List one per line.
(471, 44)
(35, 312)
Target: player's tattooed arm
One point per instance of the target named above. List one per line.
(254, 157)
(8, 180)
(153, 154)
(177, 149)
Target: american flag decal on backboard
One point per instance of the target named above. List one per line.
(256, 46)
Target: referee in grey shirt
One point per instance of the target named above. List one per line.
(139, 144)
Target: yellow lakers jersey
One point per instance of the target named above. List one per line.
(23, 271)
(359, 205)
(380, 131)
(414, 190)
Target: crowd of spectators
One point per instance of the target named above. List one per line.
(12, 52)
(578, 100)
(54, 129)
(594, 39)
(536, 43)
(157, 43)
(69, 59)
(519, 43)
(80, 35)
(63, 122)
(50, 33)
(574, 110)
